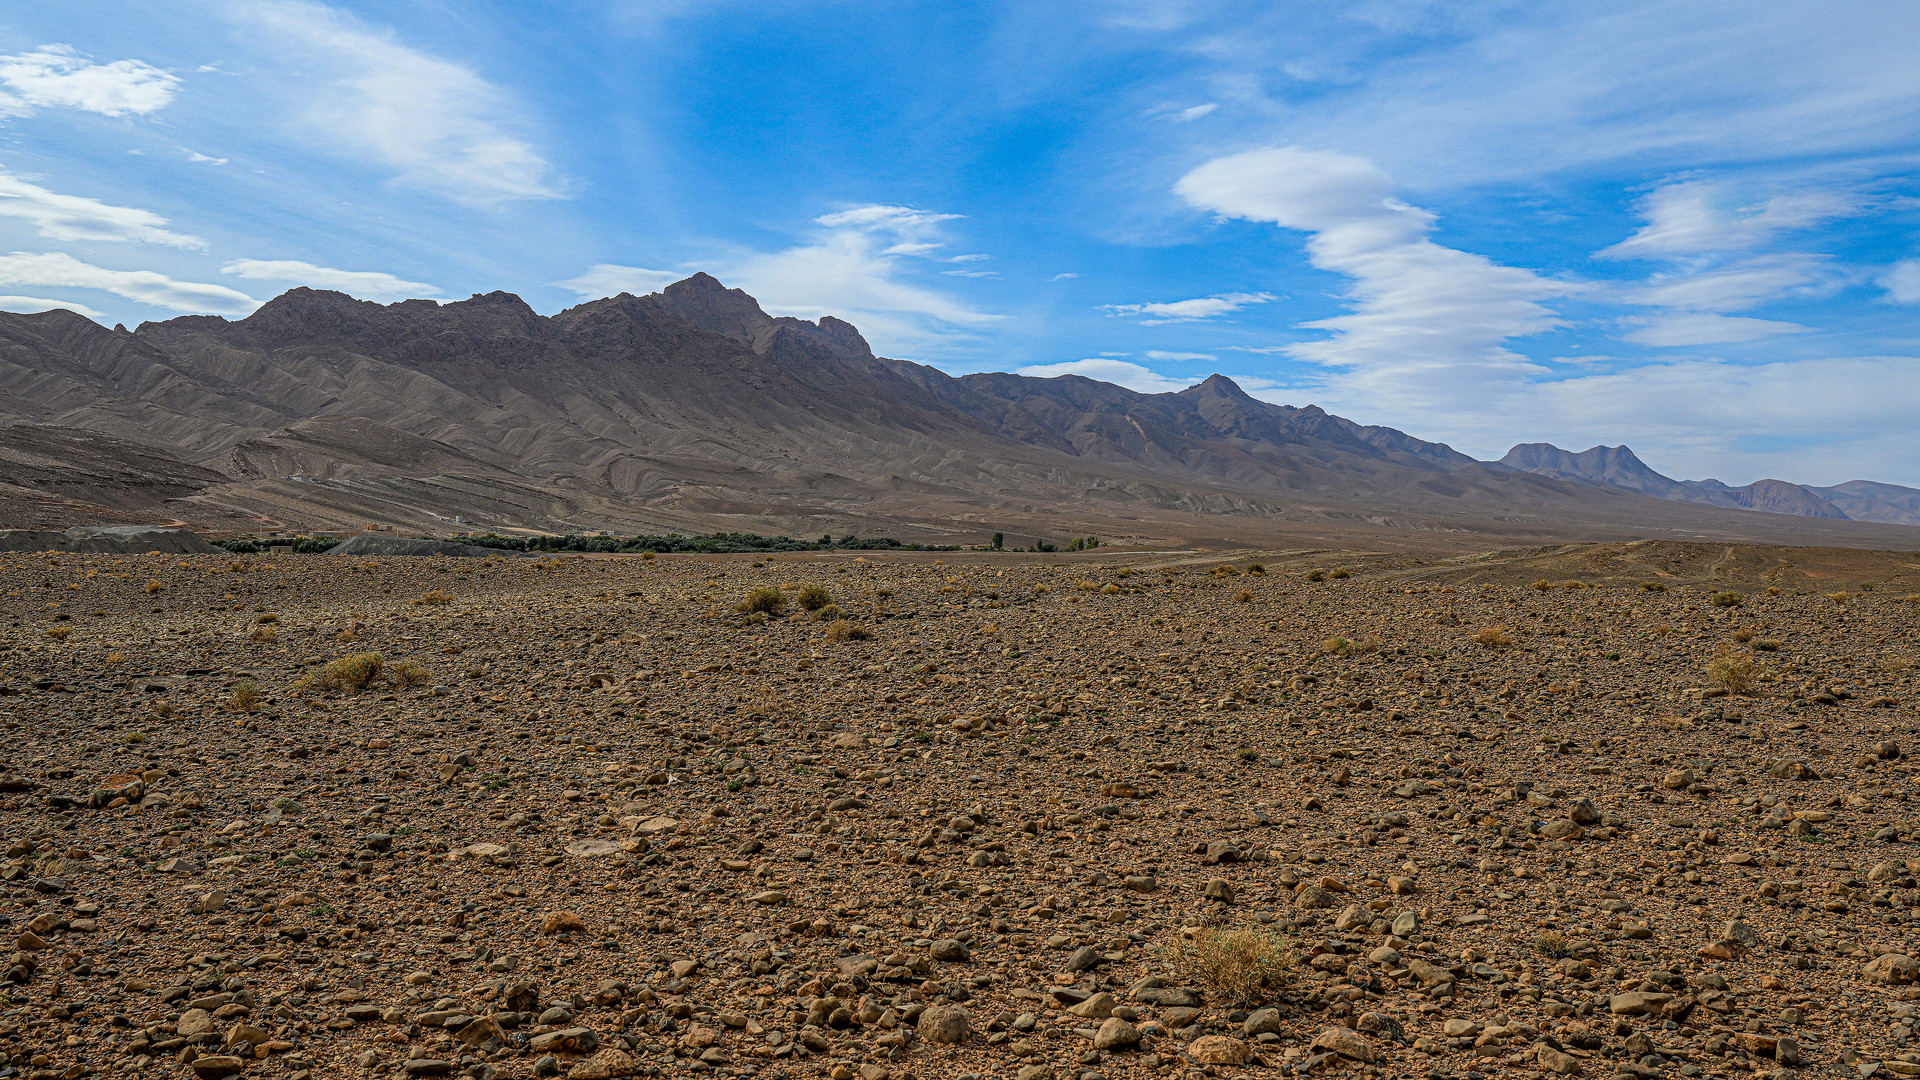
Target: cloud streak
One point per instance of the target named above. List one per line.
(58, 76)
(440, 126)
(75, 218)
(1119, 372)
(1203, 307)
(366, 284)
(60, 270)
(1425, 319)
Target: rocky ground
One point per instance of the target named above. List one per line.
(588, 819)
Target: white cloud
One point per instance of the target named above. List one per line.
(439, 125)
(1741, 285)
(1427, 321)
(1902, 282)
(199, 158)
(366, 284)
(1198, 111)
(612, 279)
(57, 76)
(1203, 307)
(1069, 275)
(1799, 420)
(855, 269)
(79, 219)
(1119, 372)
(1696, 217)
(1701, 328)
(60, 270)
(1156, 354)
(29, 305)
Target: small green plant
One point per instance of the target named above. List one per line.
(1257, 569)
(1316, 575)
(321, 911)
(1728, 599)
(246, 696)
(830, 613)
(922, 736)
(1612, 656)
(1247, 754)
(285, 805)
(1340, 573)
(1552, 945)
(812, 597)
(736, 784)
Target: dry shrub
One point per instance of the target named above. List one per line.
(766, 598)
(1773, 590)
(1734, 670)
(434, 597)
(1552, 945)
(832, 613)
(59, 633)
(267, 619)
(845, 630)
(1223, 570)
(1653, 586)
(1256, 569)
(1767, 645)
(647, 556)
(353, 672)
(1728, 599)
(1316, 575)
(1242, 597)
(246, 696)
(1245, 967)
(1087, 586)
(812, 597)
(408, 673)
(1743, 635)
(154, 586)
(263, 635)
(1542, 585)
(1494, 637)
(1110, 589)
(1838, 597)
(1340, 574)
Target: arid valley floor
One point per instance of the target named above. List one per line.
(1012, 816)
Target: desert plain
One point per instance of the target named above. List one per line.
(1622, 810)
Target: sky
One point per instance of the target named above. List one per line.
(1690, 228)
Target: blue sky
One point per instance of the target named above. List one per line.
(1689, 228)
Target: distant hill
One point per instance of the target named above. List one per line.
(693, 410)
(1617, 466)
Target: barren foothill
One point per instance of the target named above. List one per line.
(1605, 810)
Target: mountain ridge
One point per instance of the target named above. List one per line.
(692, 408)
(1619, 466)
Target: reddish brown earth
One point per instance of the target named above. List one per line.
(591, 819)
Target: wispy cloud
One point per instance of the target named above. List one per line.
(857, 267)
(440, 126)
(1156, 354)
(366, 284)
(1202, 307)
(1704, 328)
(76, 218)
(1902, 282)
(1119, 372)
(1697, 217)
(612, 279)
(59, 270)
(57, 76)
(28, 305)
(1426, 319)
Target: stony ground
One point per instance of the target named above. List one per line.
(588, 819)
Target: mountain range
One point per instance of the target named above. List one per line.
(1855, 500)
(694, 410)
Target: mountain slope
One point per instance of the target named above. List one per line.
(692, 409)
(1617, 466)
